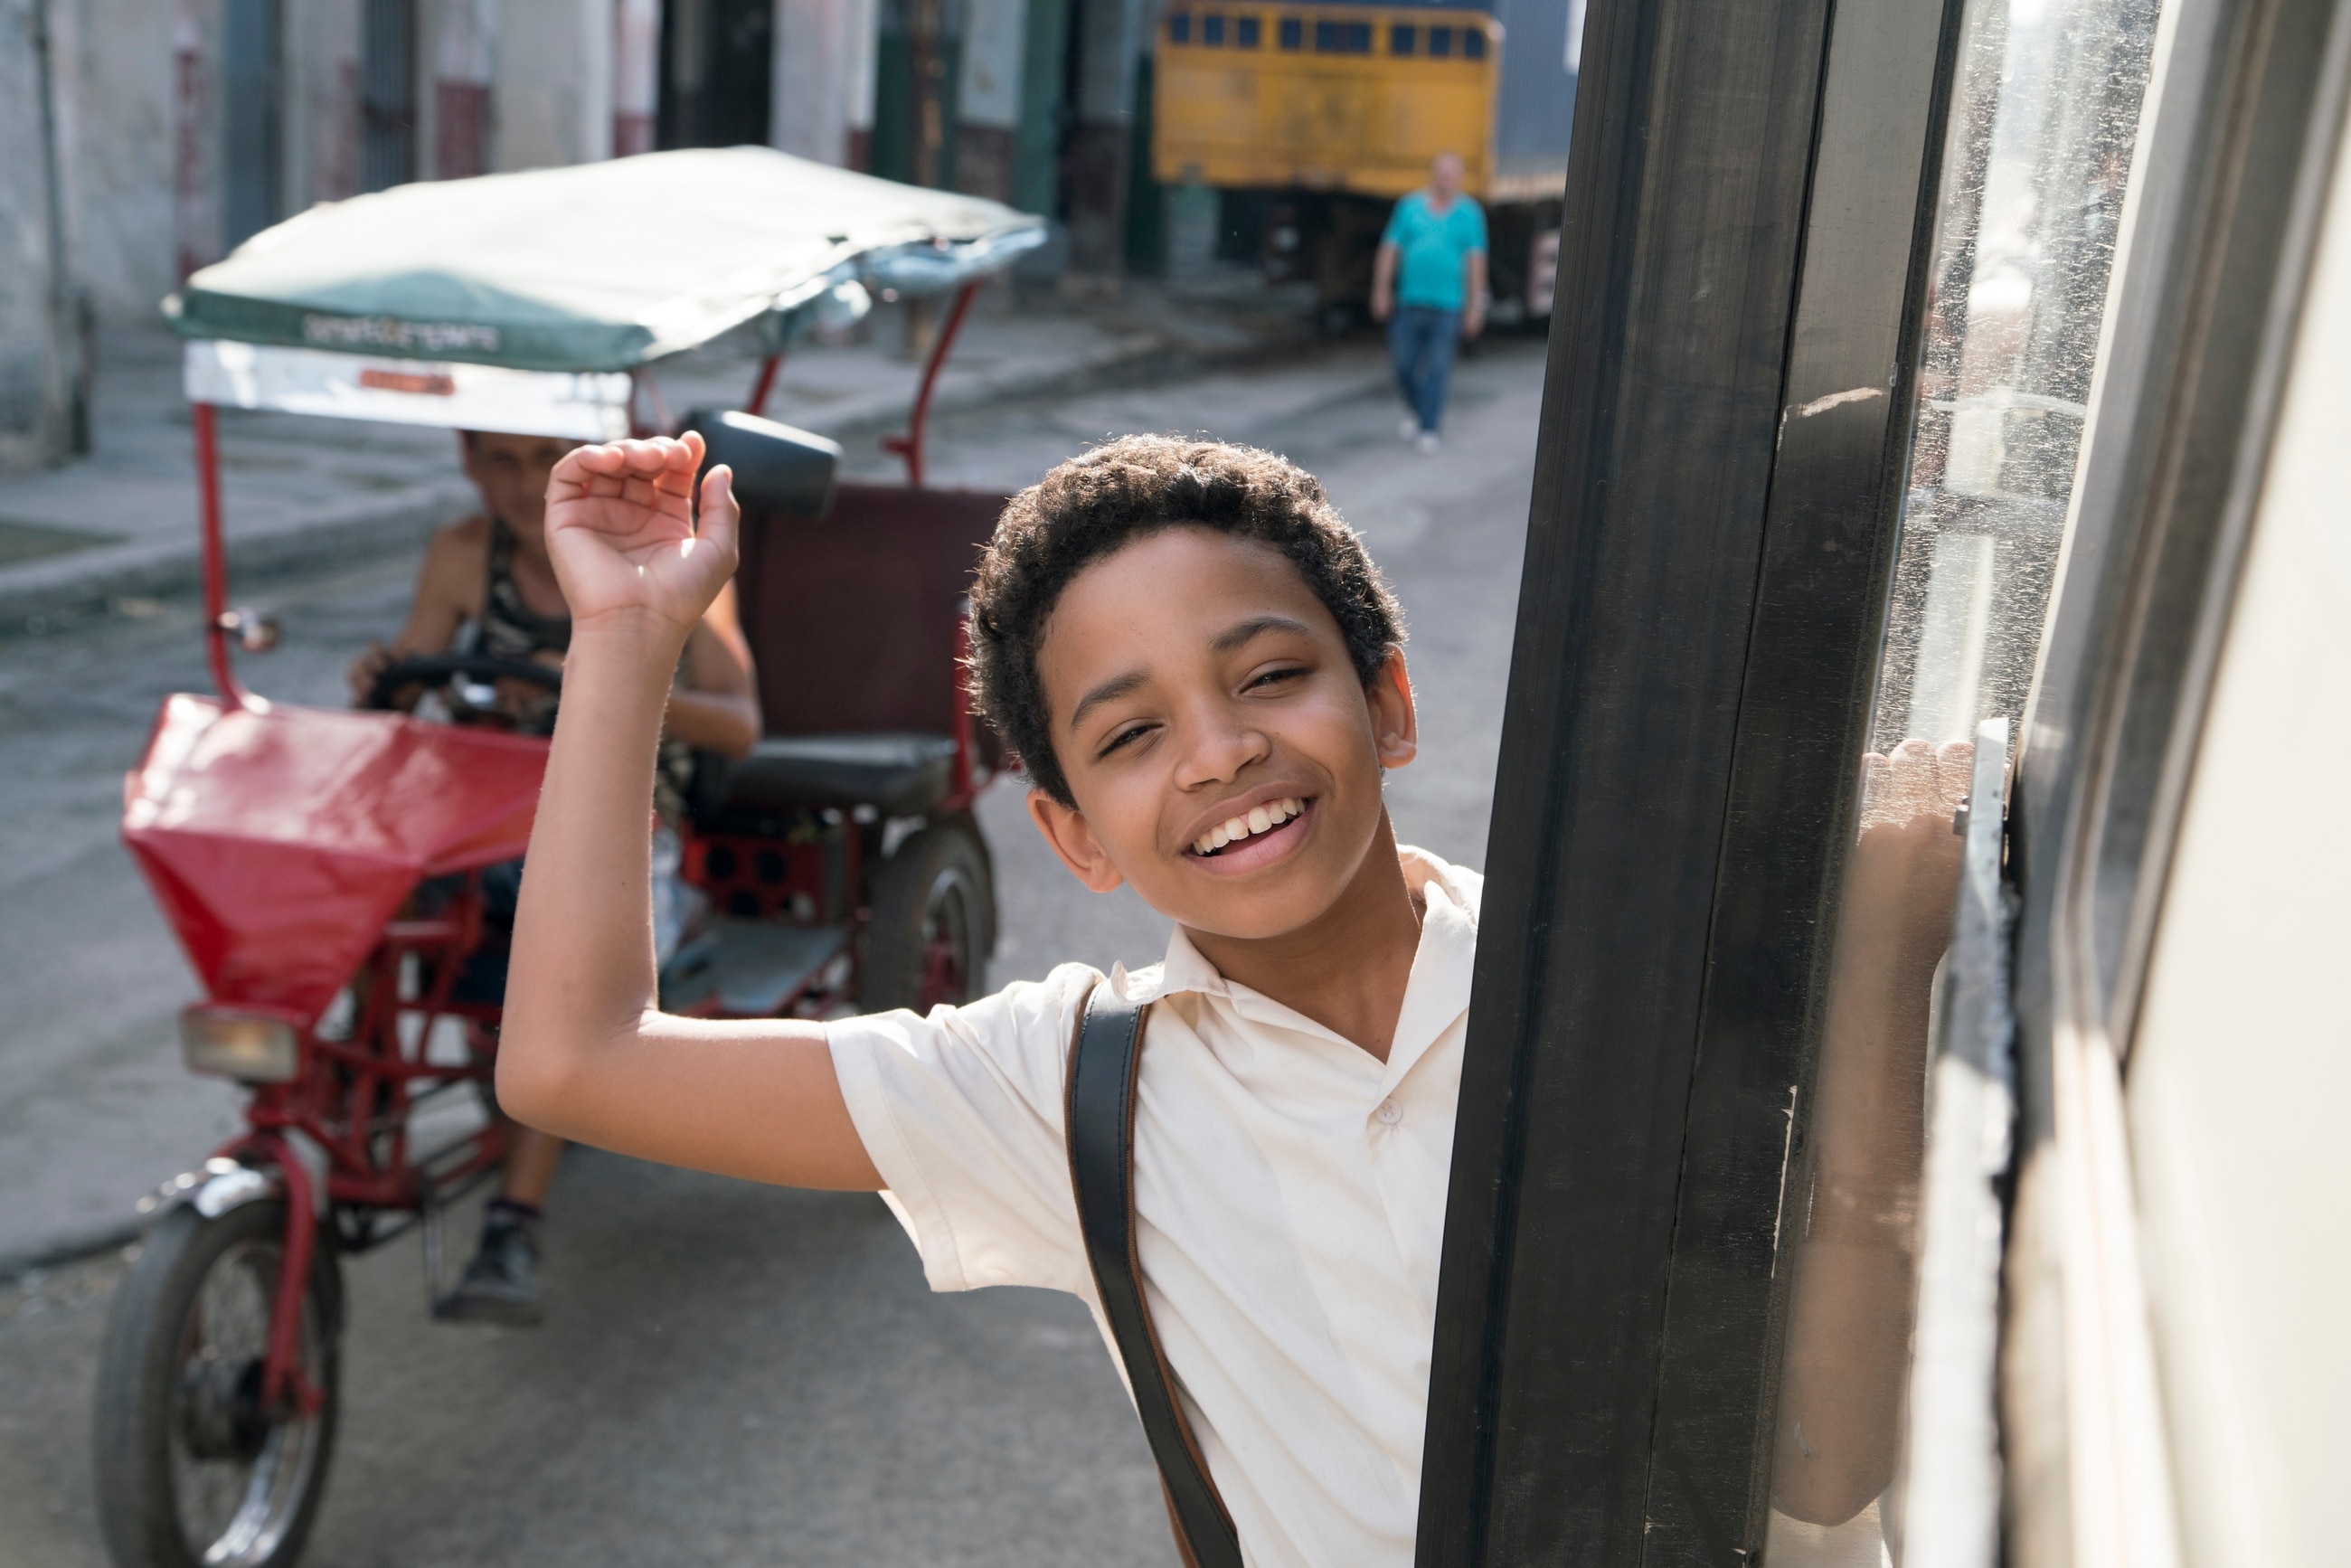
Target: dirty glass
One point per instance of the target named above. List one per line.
(2044, 112)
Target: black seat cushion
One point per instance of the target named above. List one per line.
(899, 773)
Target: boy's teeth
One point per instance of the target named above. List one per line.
(1259, 818)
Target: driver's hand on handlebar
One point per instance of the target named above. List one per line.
(364, 669)
(622, 531)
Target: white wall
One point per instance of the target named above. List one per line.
(30, 404)
(636, 74)
(118, 150)
(139, 117)
(2242, 1067)
(322, 100)
(554, 83)
(823, 83)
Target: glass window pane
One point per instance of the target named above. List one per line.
(1342, 37)
(2044, 115)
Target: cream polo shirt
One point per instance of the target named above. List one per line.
(1290, 1192)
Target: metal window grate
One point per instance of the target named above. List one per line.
(1245, 32)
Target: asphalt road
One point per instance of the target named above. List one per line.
(731, 1374)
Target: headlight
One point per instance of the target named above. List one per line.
(253, 1048)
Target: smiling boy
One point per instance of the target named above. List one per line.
(1205, 676)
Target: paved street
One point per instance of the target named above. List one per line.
(732, 1374)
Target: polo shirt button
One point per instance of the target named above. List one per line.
(1389, 1111)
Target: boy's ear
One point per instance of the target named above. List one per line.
(1065, 828)
(1395, 722)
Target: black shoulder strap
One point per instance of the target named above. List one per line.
(1105, 1062)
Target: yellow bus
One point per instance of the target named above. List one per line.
(1353, 98)
(1321, 115)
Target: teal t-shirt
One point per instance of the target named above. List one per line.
(1431, 248)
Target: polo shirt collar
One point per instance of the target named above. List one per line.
(1436, 994)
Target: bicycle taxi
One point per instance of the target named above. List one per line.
(288, 845)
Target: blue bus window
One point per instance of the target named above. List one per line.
(1473, 44)
(1441, 43)
(1212, 28)
(1401, 38)
(1293, 32)
(1342, 37)
(1179, 27)
(1245, 33)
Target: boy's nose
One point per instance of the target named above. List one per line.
(1222, 751)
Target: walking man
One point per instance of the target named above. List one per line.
(1429, 284)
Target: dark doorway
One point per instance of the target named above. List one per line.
(253, 140)
(388, 95)
(718, 73)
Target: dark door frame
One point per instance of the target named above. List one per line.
(1726, 422)
(253, 138)
(388, 91)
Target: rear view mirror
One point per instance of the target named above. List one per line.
(777, 469)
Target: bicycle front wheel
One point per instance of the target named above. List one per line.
(193, 1470)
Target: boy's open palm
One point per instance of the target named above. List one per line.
(620, 530)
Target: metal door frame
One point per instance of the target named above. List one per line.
(1751, 205)
(1718, 485)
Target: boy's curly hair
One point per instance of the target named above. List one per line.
(1119, 491)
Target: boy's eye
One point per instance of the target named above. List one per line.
(1272, 677)
(1130, 733)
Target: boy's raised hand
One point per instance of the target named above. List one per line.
(621, 531)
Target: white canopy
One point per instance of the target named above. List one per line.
(595, 267)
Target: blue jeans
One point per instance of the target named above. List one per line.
(1421, 341)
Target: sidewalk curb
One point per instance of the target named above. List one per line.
(64, 585)
(72, 1247)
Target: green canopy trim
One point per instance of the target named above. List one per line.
(594, 267)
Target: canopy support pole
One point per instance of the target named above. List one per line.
(657, 421)
(756, 404)
(208, 516)
(910, 445)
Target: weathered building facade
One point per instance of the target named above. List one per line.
(168, 131)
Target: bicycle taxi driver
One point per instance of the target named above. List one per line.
(488, 587)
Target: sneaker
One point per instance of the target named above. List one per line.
(501, 1284)
(1427, 443)
(1409, 428)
